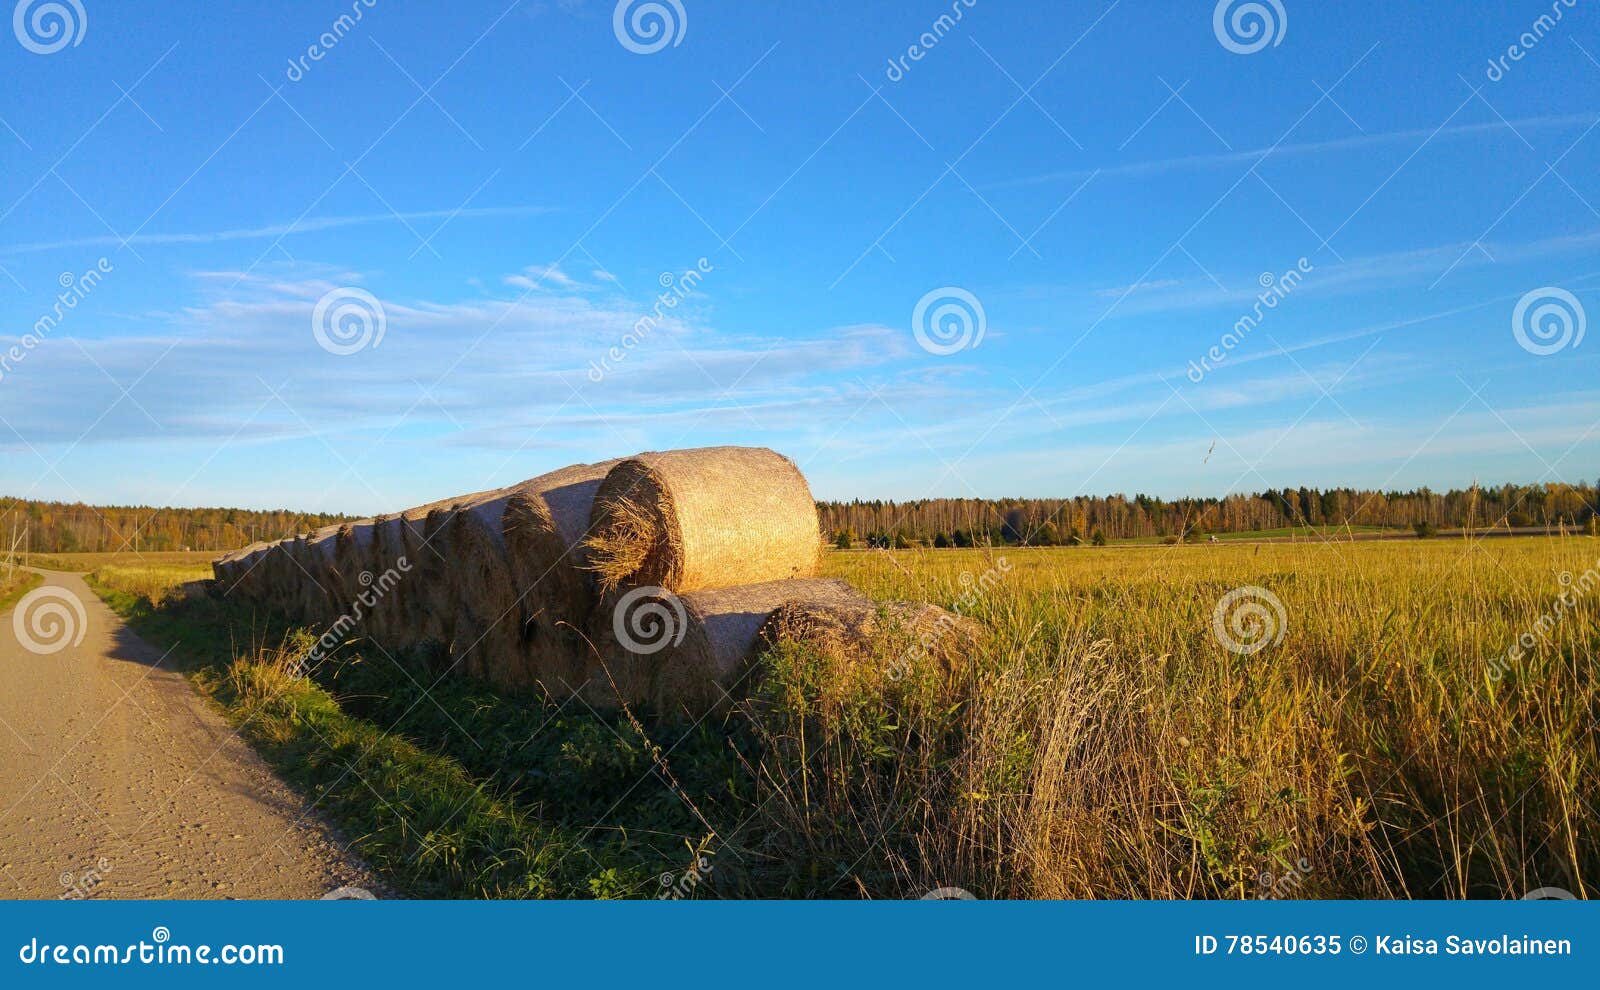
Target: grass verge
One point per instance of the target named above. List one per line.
(14, 585)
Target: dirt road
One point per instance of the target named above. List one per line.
(118, 780)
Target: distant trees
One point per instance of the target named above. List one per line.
(62, 527)
(56, 527)
(1052, 521)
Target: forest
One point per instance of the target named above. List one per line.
(61, 527)
(944, 522)
(71, 527)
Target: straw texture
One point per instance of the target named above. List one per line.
(693, 520)
(687, 654)
(544, 525)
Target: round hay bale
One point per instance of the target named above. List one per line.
(543, 527)
(692, 520)
(484, 630)
(390, 616)
(353, 563)
(245, 574)
(320, 601)
(686, 654)
(280, 586)
(862, 642)
(436, 577)
(226, 568)
(250, 578)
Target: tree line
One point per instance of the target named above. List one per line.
(63, 527)
(1100, 519)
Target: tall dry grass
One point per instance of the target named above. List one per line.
(1104, 743)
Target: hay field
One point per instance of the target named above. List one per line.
(82, 562)
(1386, 745)
(1363, 725)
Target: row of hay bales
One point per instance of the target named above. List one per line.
(652, 580)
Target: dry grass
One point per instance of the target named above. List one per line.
(619, 548)
(1104, 743)
(154, 581)
(89, 561)
(14, 583)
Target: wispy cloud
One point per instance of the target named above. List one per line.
(1301, 148)
(306, 226)
(1356, 274)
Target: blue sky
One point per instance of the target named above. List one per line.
(510, 185)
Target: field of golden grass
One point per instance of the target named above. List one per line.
(89, 561)
(1393, 719)
(1411, 719)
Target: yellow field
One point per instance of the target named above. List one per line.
(1418, 719)
(198, 559)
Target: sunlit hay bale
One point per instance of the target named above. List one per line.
(543, 526)
(251, 572)
(435, 576)
(689, 654)
(863, 644)
(422, 596)
(692, 520)
(238, 573)
(320, 597)
(484, 619)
